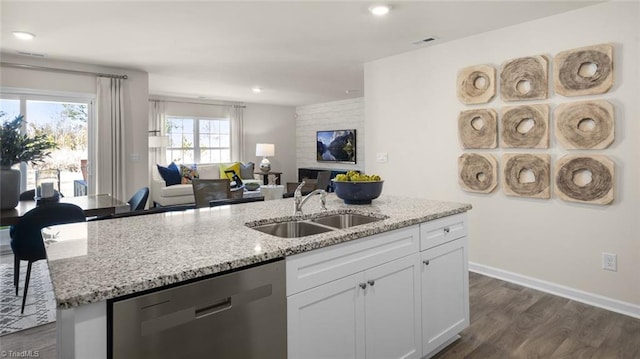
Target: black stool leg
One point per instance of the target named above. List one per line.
(26, 286)
(16, 272)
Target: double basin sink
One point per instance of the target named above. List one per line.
(308, 227)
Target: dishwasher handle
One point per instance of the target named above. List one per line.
(191, 313)
(214, 308)
(183, 316)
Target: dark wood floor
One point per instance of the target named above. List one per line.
(41, 339)
(507, 321)
(510, 321)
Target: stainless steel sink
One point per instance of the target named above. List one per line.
(308, 227)
(345, 220)
(292, 229)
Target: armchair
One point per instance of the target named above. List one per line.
(322, 182)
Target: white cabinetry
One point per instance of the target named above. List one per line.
(445, 282)
(372, 311)
(399, 294)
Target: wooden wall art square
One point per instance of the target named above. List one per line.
(584, 71)
(585, 125)
(585, 179)
(476, 84)
(525, 78)
(525, 126)
(477, 172)
(478, 128)
(526, 175)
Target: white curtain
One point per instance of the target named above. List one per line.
(157, 121)
(111, 172)
(236, 115)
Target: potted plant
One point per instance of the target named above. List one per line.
(16, 148)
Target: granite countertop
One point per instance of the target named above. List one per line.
(99, 260)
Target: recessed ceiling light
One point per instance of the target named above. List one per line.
(256, 89)
(22, 35)
(379, 10)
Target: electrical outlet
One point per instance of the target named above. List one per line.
(609, 261)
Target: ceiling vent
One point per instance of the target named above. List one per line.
(30, 54)
(423, 41)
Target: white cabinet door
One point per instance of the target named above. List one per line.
(327, 321)
(445, 293)
(392, 302)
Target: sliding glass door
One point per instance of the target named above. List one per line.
(69, 122)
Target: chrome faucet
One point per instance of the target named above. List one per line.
(299, 200)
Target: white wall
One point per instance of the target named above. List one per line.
(411, 113)
(272, 124)
(335, 115)
(136, 89)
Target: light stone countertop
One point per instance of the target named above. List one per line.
(100, 260)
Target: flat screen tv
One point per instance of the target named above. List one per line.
(336, 146)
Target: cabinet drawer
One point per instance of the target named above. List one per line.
(311, 269)
(442, 230)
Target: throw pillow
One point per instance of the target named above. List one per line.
(246, 170)
(170, 174)
(210, 171)
(188, 173)
(229, 166)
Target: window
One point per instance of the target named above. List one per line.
(199, 140)
(67, 120)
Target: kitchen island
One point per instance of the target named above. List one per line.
(93, 262)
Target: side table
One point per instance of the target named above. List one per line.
(265, 176)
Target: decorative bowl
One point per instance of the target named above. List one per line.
(252, 186)
(357, 192)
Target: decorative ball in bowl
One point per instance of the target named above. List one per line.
(252, 186)
(356, 188)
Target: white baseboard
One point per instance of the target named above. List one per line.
(596, 300)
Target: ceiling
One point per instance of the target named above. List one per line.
(299, 52)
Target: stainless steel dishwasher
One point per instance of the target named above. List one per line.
(237, 315)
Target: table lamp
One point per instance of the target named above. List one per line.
(265, 150)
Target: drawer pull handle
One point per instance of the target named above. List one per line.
(363, 285)
(446, 229)
(371, 282)
(426, 262)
